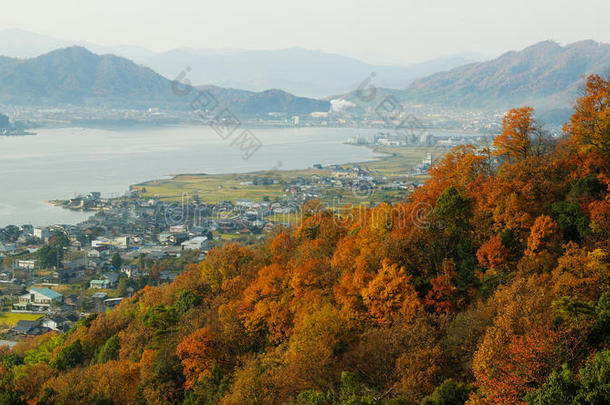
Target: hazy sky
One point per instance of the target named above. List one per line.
(374, 30)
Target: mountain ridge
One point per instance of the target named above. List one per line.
(77, 76)
(307, 72)
(546, 75)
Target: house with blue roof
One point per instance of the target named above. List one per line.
(38, 299)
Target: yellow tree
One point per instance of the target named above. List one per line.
(589, 126)
(390, 295)
(514, 142)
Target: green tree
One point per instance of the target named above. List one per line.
(588, 186)
(571, 220)
(109, 351)
(50, 256)
(69, 356)
(185, 301)
(560, 389)
(312, 397)
(452, 235)
(116, 260)
(595, 380)
(600, 330)
(450, 392)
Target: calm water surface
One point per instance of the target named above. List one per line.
(65, 162)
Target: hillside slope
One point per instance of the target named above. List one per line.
(76, 76)
(491, 284)
(545, 75)
(79, 77)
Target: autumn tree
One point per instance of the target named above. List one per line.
(589, 126)
(518, 126)
(314, 350)
(390, 295)
(442, 296)
(197, 353)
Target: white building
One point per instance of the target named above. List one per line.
(42, 233)
(197, 243)
(120, 242)
(28, 265)
(38, 298)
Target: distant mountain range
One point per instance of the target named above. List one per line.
(23, 44)
(76, 76)
(545, 75)
(300, 71)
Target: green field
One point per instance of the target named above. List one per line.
(211, 188)
(395, 162)
(11, 318)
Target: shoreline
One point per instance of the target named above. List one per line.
(389, 163)
(380, 153)
(173, 176)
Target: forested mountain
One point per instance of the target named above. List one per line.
(545, 75)
(264, 102)
(311, 73)
(490, 284)
(75, 76)
(307, 72)
(278, 101)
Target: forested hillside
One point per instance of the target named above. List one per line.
(545, 75)
(490, 285)
(76, 76)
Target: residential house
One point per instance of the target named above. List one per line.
(71, 301)
(29, 328)
(100, 295)
(177, 238)
(112, 277)
(57, 323)
(38, 299)
(6, 277)
(167, 277)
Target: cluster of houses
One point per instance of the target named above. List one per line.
(50, 323)
(57, 314)
(134, 226)
(110, 245)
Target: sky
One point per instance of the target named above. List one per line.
(377, 31)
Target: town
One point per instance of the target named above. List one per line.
(51, 276)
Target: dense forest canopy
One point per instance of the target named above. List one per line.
(499, 295)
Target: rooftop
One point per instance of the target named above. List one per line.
(46, 292)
